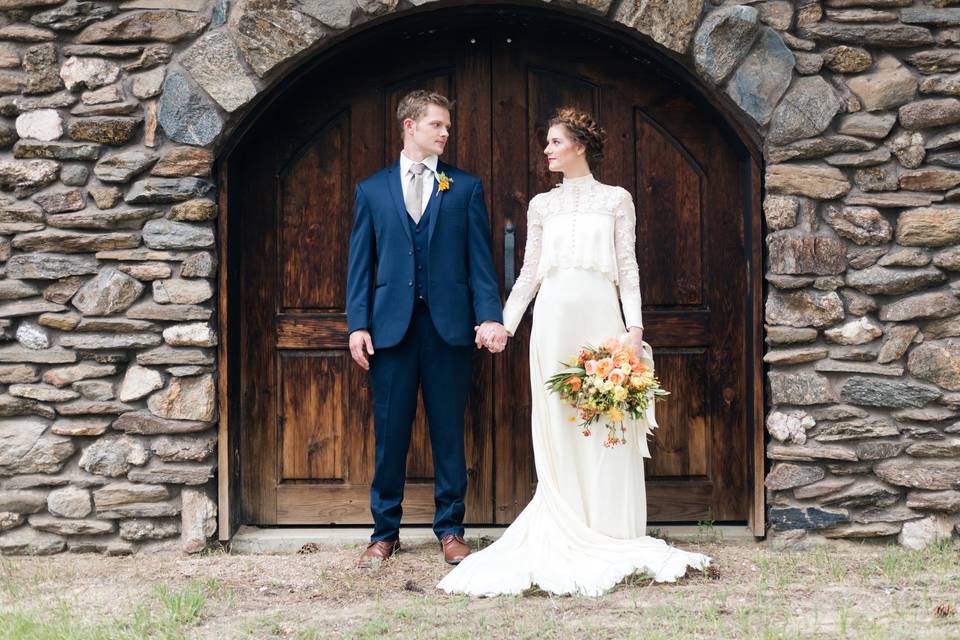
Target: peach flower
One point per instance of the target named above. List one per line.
(590, 366)
(604, 366)
(617, 376)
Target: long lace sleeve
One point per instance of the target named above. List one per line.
(625, 239)
(526, 285)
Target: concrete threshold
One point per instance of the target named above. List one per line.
(282, 540)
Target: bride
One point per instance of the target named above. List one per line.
(585, 528)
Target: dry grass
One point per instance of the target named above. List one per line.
(847, 590)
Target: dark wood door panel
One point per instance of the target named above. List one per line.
(307, 442)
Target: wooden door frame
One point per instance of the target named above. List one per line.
(228, 451)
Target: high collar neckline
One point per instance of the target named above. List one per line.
(582, 180)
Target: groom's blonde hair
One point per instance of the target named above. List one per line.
(414, 105)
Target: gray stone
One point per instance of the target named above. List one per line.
(935, 112)
(863, 225)
(54, 202)
(84, 407)
(270, 32)
(723, 40)
(63, 376)
(95, 389)
(905, 257)
(80, 426)
(858, 331)
(790, 356)
(142, 510)
(895, 345)
(113, 456)
(110, 219)
(139, 382)
(847, 59)
(937, 361)
(69, 502)
(806, 110)
(943, 449)
(42, 124)
(69, 527)
(28, 307)
(72, 16)
(184, 449)
(17, 373)
(877, 392)
(25, 448)
(948, 501)
(16, 353)
(185, 399)
(811, 180)
(918, 534)
(868, 125)
(186, 115)
(783, 518)
(887, 281)
(111, 291)
(180, 291)
(32, 336)
(176, 312)
(935, 60)
(144, 422)
(787, 476)
(801, 388)
(117, 494)
(148, 84)
(866, 159)
(23, 501)
(161, 190)
(892, 200)
(855, 429)
(879, 35)
(64, 241)
(891, 85)
(872, 530)
(28, 541)
(41, 392)
(169, 234)
(74, 175)
(196, 334)
(215, 63)
(143, 529)
(172, 473)
(764, 75)
(935, 475)
(879, 450)
(794, 253)
(862, 494)
(819, 147)
(780, 211)
(936, 304)
(123, 166)
(929, 226)
(111, 130)
(804, 308)
(26, 177)
(56, 150)
(198, 520)
(136, 26)
(80, 74)
(789, 335)
(935, 17)
(110, 341)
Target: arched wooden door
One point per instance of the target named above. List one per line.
(303, 414)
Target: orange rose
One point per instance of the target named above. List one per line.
(573, 382)
(617, 376)
(620, 358)
(604, 366)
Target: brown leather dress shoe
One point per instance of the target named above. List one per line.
(376, 552)
(455, 548)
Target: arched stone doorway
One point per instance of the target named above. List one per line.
(296, 445)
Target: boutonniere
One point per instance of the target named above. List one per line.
(443, 182)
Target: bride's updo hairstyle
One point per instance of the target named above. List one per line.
(583, 129)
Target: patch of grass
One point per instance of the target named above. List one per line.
(168, 615)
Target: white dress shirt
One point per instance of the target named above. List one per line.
(430, 162)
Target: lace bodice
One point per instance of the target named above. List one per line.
(579, 223)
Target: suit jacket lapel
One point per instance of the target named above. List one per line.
(396, 191)
(433, 206)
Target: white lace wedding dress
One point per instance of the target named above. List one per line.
(584, 530)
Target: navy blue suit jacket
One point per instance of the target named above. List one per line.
(462, 286)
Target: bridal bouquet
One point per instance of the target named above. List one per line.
(609, 382)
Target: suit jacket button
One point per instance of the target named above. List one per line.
(411, 252)
(410, 283)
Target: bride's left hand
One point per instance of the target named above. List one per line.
(635, 337)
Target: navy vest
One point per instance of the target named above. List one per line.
(419, 232)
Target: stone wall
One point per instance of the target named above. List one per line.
(111, 114)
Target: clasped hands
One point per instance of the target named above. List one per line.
(491, 335)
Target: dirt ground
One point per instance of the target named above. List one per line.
(844, 590)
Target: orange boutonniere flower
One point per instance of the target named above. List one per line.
(443, 182)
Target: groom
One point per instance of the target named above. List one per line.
(421, 291)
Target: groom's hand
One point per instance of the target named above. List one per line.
(360, 346)
(491, 335)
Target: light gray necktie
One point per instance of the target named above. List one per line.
(414, 197)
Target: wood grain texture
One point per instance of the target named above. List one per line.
(303, 414)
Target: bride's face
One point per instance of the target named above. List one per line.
(563, 154)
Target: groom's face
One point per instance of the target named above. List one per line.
(431, 132)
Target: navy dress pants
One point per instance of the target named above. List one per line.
(421, 360)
